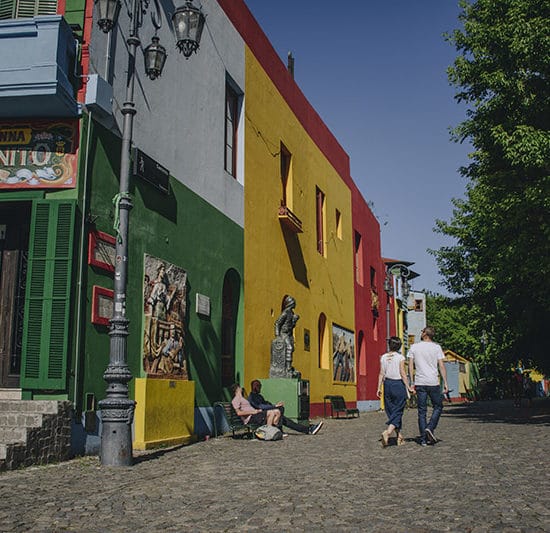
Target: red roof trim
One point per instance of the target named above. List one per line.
(259, 44)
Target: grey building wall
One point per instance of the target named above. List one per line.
(416, 316)
(180, 117)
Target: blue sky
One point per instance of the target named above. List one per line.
(375, 71)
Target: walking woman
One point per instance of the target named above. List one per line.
(396, 389)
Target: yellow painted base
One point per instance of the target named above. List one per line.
(165, 413)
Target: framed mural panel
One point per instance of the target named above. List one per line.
(102, 305)
(164, 312)
(102, 250)
(343, 354)
(38, 154)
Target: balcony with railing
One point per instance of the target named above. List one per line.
(37, 68)
(289, 219)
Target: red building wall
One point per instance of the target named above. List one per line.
(370, 299)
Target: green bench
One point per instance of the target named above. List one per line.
(338, 407)
(234, 421)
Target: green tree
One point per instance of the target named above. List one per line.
(500, 260)
(456, 325)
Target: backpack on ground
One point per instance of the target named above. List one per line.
(268, 433)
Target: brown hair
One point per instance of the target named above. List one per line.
(429, 332)
(394, 343)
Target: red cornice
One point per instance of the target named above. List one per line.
(259, 44)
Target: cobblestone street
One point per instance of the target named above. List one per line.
(489, 472)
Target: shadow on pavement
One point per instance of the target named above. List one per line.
(503, 411)
(140, 457)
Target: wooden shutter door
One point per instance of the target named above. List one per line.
(46, 325)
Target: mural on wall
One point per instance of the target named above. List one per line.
(164, 309)
(343, 354)
(38, 155)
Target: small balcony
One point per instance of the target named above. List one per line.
(289, 219)
(37, 68)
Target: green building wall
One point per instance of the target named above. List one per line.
(179, 228)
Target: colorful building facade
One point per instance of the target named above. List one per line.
(241, 196)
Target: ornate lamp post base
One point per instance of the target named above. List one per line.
(117, 410)
(116, 433)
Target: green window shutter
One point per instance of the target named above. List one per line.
(46, 325)
(26, 8)
(7, 9)
(46, 7)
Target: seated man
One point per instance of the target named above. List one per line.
(257, 400)
(250, 414)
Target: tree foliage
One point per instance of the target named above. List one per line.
(501, 229)
(455, 324)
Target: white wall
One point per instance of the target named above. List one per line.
(180, 116)
(416, 319)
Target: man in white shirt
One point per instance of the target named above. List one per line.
(427, 357)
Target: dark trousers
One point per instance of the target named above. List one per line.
(287, 422)
(395, 396)
(294, 425)
(434, 392)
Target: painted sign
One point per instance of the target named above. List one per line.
(343, 354)
(38, 155)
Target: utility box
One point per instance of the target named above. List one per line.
(99, 95)
(293, 392)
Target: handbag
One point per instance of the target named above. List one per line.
(268, 433)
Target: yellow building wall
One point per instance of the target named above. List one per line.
(164, 412)
(279, 262)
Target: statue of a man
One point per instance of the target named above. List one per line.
(284, 328)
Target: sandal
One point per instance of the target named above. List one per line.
(400, 440)
(385, 439)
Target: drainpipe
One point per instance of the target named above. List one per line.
(83, 242)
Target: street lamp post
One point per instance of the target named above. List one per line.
(405, 291)
(117, 410)
(388, 289)
(398, 271)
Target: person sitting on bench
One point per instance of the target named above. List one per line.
(249, 414)
(257, 400)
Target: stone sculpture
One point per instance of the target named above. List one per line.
(282, 346)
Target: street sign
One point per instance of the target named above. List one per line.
(148, 169)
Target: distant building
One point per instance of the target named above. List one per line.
(416, 316)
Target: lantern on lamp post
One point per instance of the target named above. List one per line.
(188, 22)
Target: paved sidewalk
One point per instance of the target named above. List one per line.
(489, 472)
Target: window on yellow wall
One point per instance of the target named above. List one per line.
(320, 218)
(338, 224)
(358, 259)
(323, 345)
(286, 181)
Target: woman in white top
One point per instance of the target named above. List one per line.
(392, 374)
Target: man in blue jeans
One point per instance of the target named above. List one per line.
(426, 357)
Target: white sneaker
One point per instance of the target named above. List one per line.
(315, 429)
(430, 437)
